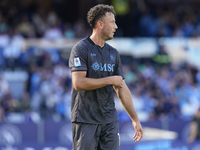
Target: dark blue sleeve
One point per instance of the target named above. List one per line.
(119, 70)
(78, 58)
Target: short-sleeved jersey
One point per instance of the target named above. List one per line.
(94, 106)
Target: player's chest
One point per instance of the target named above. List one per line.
(101, 62)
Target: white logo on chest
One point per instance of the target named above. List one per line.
(103, 67)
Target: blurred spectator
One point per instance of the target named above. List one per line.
(26, 27)
(25, 101)
(39, 20)
(68, 31)
(80, 29)
(53, 32)
(161, 56)
(4, 38)
(63, 107)
(13, 50)
(4, 87)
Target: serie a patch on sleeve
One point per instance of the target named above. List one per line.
(77, 62)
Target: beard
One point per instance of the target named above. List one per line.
(109, 37)
(107, 34)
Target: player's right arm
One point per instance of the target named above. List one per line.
(81, 82)
(78, 62)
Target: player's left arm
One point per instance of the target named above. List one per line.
(193, 132)
(126, 99)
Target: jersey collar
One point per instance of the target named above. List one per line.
(89, 39)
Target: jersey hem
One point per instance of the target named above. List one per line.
(93, 122)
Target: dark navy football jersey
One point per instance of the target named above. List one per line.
(94, 106)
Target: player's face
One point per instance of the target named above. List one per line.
(109, 26)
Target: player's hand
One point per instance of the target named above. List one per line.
(117, 81)
(138, 131)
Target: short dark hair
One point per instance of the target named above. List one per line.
(97, 12)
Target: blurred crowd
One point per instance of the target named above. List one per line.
(48, 88)
(52, 19)
(159, 90)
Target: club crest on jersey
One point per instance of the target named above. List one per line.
(112, 57)
(77, 62)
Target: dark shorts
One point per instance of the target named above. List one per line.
(95, 136)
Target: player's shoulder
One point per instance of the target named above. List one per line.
(80, 45)
(111, 48)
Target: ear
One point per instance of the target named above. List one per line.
(100, 24)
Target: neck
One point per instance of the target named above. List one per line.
(96, 38)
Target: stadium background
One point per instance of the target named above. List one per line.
(158, 41)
